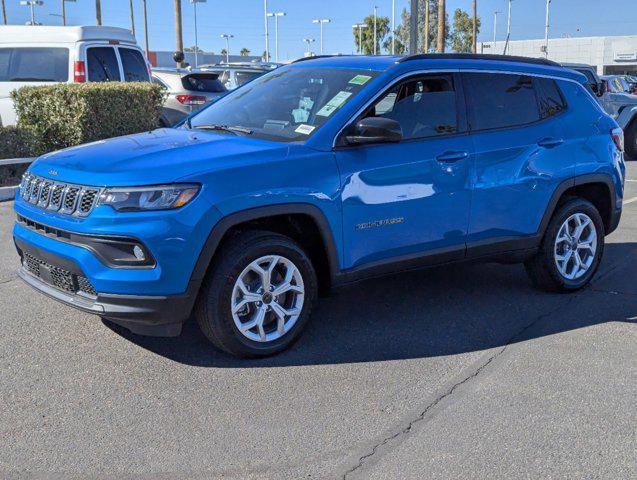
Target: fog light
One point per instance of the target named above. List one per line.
(139, 253)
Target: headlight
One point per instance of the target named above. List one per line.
(156, 197)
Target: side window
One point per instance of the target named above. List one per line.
(102, 65)
(500, 100)
(424, 106)
(549, 97)
(134, 65)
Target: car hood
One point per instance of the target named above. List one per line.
(161, 156)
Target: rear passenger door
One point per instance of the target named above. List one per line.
(522, 155)
(102, 65)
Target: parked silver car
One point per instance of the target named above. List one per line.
(188, 90)
(621, 106)
(232, 75)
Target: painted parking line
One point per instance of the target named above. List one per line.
(630, 200)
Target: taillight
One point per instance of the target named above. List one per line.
(618, 137)
(191, 100)
(79, 72)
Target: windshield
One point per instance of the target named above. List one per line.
(286, 105)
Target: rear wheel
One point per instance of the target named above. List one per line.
(571, 249)
(631, 140)
(258, 296)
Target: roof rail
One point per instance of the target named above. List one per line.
(303, 59)
(478, 56)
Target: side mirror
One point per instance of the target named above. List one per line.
(374, 130)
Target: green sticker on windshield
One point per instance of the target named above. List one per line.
(360, 80)
(337, 100)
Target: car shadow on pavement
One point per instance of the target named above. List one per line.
(427, 313)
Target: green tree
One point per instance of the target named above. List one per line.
(382, 29)
(462, 35)
(244, 52)
(223, 52)
(265, 55)
(402, 31)
(192, 49)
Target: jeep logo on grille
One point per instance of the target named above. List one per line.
(53, 172)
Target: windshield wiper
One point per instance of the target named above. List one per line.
(235, 129)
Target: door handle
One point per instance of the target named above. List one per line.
(450, 157)
(550, 142)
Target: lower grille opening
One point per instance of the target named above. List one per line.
(58, 277)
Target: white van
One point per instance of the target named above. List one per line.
(40, 55)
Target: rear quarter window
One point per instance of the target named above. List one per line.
(101, 64)
(203, 83)
(134, 65)
(549, 97)
(34, 64)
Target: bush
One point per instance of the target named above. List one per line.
(16, 143)
(67, 114)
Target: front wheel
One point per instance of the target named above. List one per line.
(258, 296)
(571, 249)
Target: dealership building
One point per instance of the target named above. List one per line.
(610, 55)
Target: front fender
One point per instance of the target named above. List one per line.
(627, 115)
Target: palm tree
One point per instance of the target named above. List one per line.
(98, 12)
(178, 34)
(475, 26)
(244, 52)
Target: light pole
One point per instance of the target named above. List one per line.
(321, 21)
(309, 42)
(194, 4)
(276, 16)
(375, 26)
(506, 45)
(64, 10)
(32, 4)
(495, 26)
(227, 36)
(393, 27)
(145, 27)
(546, 32)
(267, 36)
(360, 27)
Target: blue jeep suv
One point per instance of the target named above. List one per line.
(319, 173)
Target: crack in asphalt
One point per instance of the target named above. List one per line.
(363, 459)
(2, 282)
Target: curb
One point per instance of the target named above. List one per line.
(7, 193)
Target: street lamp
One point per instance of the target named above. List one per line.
(393, 27)
(276, 16)
(194, 4)
(267, 36)
(321, 21)
(32, 4)
(64, 10)
(546, 32)
(309, 41)
(360, 27)
(227, 36)
(495, 26)
(506, 45)
(375, 27)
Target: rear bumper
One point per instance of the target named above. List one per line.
(161, 315)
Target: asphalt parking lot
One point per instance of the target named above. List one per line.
(455, 372)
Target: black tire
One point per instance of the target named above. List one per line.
(542, 268)
(630, 139)
(213, 308)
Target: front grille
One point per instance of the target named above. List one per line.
(57, 276)
(65, 198)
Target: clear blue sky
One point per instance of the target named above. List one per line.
(244, 19)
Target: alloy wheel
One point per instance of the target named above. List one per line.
(575, 246)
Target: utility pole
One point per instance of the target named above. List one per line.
(413, 27)
(267, 36)
(98, 12)
(146, 28)
(178, 33)
(426, 26)
(132, 17)
(360, 27)
(441, 26)
(393, 27)
(321, 21)
(375, 28)
(506, 45)
(546, 32)
(276, 16)
(475, 27)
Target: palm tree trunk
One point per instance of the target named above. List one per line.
(178, 32)
(475, 26)
(441, 26)
(98, 12)
(4, 13)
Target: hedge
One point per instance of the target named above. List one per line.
(16, 143)
(64, 115)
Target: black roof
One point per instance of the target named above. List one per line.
(479, 56)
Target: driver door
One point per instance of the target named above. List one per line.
(405, 200)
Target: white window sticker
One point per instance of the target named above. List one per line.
(330, 107)
(304, 129)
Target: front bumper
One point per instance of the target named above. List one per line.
(161, 315)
